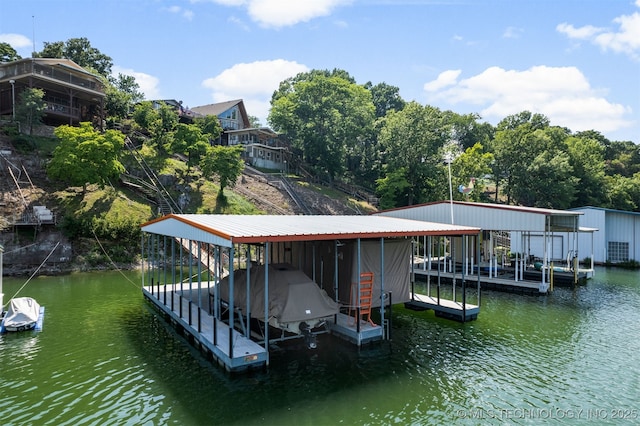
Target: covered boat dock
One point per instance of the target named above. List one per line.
(237, 284)
(522, 248)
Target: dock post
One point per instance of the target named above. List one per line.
(464, 284)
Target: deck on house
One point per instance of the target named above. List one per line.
(181, 305)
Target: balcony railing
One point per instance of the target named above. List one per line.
(59, 109)
(58, 73)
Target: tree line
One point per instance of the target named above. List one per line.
(367, 135)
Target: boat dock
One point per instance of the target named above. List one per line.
(444, 308)
(187, 310)
(505, 280)
(186, 306)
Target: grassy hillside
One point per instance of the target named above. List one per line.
(103, 224)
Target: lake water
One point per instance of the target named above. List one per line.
(105, 357)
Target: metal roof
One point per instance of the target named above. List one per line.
(489, 216)
(225, 230)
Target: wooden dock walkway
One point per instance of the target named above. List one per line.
(237, 353)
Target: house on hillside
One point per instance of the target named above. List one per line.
(185, 115)
(71, 93)
(264, 148)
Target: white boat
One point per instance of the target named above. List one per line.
(22, 314)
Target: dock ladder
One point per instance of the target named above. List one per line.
(360, 305)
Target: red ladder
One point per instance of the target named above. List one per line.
(362, 301)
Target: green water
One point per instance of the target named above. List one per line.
(104, 357)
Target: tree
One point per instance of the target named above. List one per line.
(515, 146)
(123, 93)
(619, 193)
(254, 122)
(226, 163)
(385, 98)
(80, 51)
(473, 163)
(586, 157)
(392, 189)
(323, 114)
(85, 156)
(188, 139)
(209, 126)
(551, 182)
(146, 117)
(411, 140)
(30, 108)
(468, 131)
(8, 53)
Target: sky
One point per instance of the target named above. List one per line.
(575, 61)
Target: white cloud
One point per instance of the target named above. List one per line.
(17, 41)
(625, 39)
(563, 94)
(446, 78)
(185, 13)
(148, 83)
(254, 83)
(283, 13)
(512, 32)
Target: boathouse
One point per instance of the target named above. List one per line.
(237, 283)
(514, 239)
(617, 236)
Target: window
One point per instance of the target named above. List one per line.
(618, 251)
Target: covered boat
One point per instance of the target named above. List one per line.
(22, 314)
(296, 303)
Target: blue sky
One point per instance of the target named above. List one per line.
(576, 61)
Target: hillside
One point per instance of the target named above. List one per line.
(27, 246)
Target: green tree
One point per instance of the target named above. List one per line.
(468, 131)
(551, 182)
(586, 157)
(411, 140)
(85, 156)
(515, 145)
(474, 164)
(188, 139)
(122, 93)
(393, 189)
(209, 126)
(385, 98)
(160, 124)
(324, 114)
(146, 117)
(30, 108)
(8, 53)
(225, 163)
(80, 51)
(254, 122)
(619, 193)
